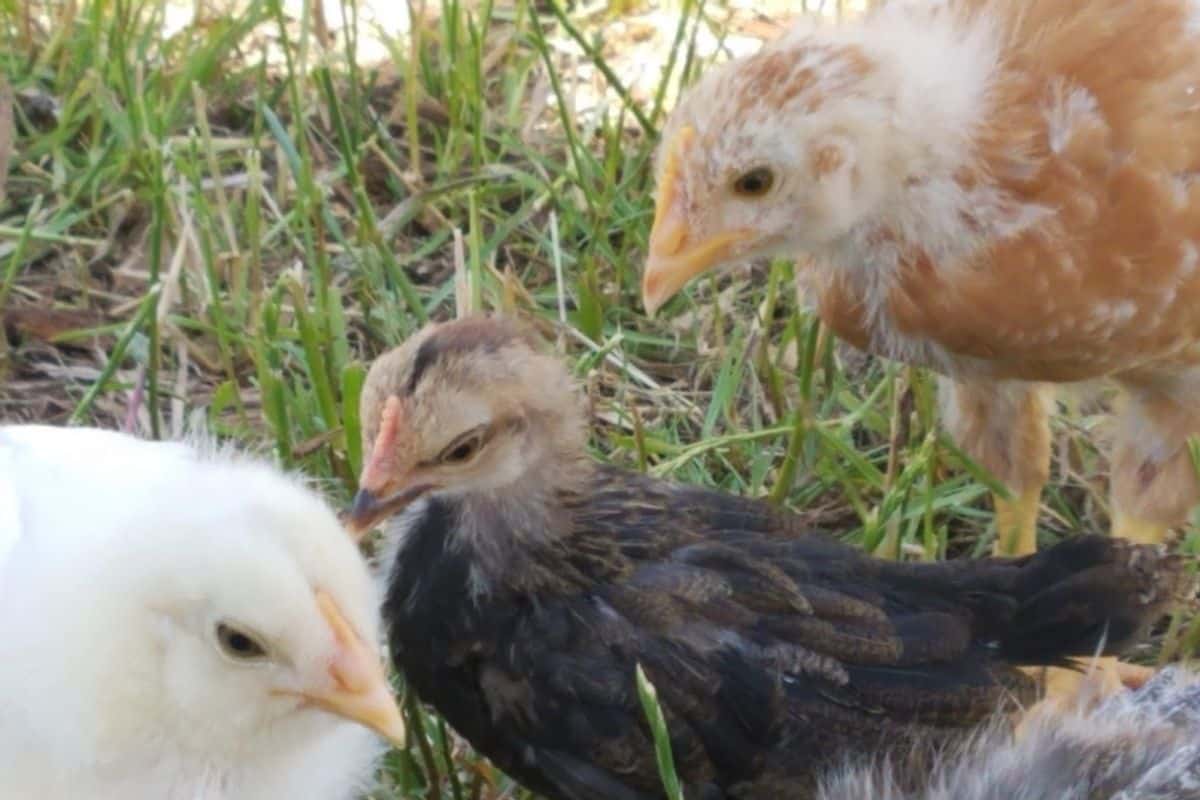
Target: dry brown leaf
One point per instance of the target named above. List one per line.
(48, 324)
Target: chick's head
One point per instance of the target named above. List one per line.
(221, 612)
(780, 152)
(472, 405)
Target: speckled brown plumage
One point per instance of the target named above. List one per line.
(526, 581)
(1002, 190)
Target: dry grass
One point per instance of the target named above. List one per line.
(217, 217)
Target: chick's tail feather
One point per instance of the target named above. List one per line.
(1085, 596)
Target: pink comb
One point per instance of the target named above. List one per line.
(382, 460)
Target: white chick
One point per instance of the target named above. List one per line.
(179, 623)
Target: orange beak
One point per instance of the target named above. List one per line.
(358, 688)
(383, 489)
(674, 260)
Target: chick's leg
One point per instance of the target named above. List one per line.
(1154, 484)
(1016, 523)
(1068, 690)
(1004, 426)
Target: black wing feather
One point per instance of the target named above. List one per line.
(774, 650)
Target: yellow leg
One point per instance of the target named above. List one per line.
(1138, 530)
(1068, 689)
(1016, 523)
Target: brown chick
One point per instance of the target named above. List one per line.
(526, 581)
(1001, 190)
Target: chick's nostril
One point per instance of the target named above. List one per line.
(668, 240)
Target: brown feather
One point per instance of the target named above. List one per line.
(1005, 191)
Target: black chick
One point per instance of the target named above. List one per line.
(527, 581)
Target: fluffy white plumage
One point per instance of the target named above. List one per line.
(128, 569)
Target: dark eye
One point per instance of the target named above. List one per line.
(754, 183)
(462, 451)
(239, 645)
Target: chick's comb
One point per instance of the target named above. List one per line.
(381, 461)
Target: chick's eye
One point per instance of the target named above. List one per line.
(461, 452)
(754, 183)
(239, 645)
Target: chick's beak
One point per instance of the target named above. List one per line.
(674, 259)
(385, 488)
(370, 507)
(357, 687)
